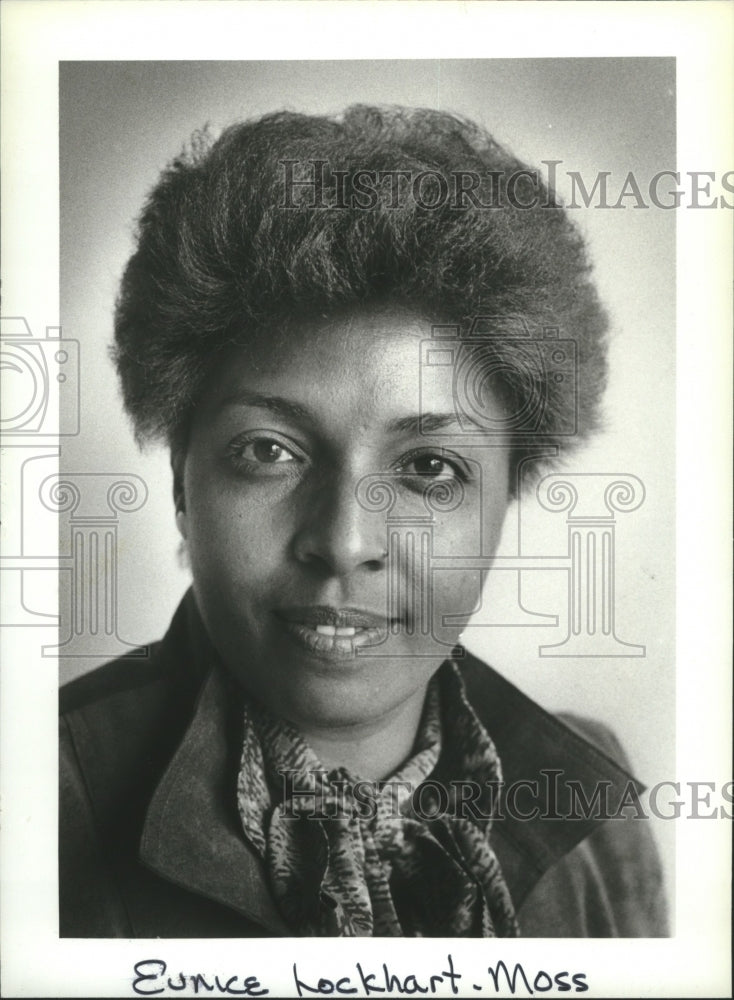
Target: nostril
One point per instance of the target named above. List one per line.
(340, 542)
(315, 564)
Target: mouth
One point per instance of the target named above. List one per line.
(334, 633)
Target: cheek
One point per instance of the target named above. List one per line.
(474, 528)
(472, 532)
(231, 538)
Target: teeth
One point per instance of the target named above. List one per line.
(332, 630)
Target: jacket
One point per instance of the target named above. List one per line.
(151, 845)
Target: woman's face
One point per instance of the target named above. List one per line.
(288, 530)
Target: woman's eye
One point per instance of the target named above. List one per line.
(266, 451)
(258, 453)
(432, 466)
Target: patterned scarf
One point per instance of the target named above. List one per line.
(397, 857)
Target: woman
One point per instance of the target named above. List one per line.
(310, 752)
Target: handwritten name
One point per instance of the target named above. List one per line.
(150, 980)
(391, 984)
(370, 982)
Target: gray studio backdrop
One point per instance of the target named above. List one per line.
(121, 122)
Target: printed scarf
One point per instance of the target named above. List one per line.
(406, 856)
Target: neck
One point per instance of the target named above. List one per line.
(371, 750)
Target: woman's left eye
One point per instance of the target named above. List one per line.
(432, 466)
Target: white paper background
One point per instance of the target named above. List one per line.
(36, 36)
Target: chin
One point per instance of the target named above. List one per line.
(328, 703)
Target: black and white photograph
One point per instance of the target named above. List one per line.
(359, 499)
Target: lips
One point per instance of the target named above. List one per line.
(321, 614)
(333, 633)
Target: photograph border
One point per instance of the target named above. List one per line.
(36, 37)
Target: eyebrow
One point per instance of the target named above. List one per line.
(417, 424)
(423, 423)
(275, 404)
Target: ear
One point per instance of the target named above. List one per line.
(179, 500)
(177, 467)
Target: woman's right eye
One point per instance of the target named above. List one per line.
(267, 451)
(258, 453)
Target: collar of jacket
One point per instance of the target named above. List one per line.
(192, 835)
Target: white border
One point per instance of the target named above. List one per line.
(36, 35)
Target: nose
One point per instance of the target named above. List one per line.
(337, 534)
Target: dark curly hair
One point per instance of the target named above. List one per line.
(292, 217)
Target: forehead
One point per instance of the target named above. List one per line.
(362, 361)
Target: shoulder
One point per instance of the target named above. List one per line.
(598, 734)
(143, 675)
(120, 722)
(600, 873)
(133, 687)
(111, 680)
(610, 885)
(120, 725)
(523, 730)
(123, 694)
